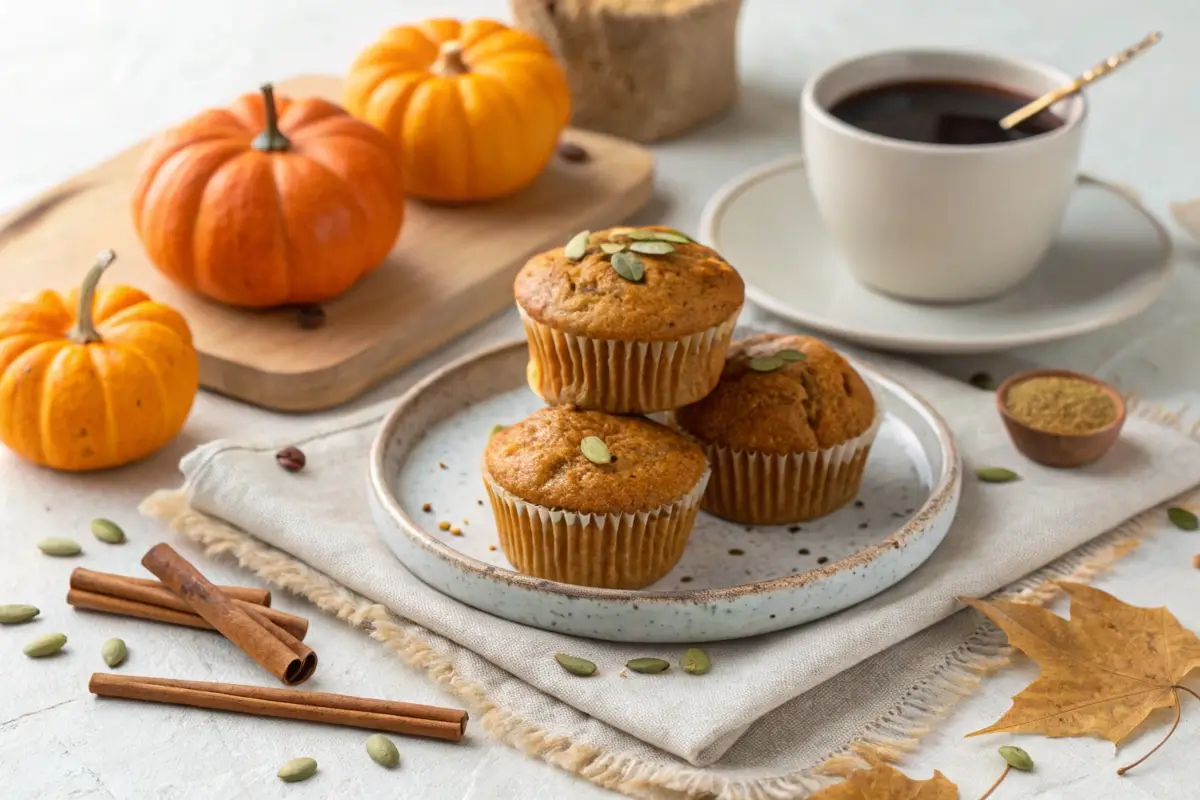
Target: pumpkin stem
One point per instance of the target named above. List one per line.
(450, 61)
(84, 331)
(270, 140)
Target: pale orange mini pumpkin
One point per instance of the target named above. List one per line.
(475, 109)
(93, 380)
(269, 202)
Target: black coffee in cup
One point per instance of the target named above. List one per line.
(941, 112)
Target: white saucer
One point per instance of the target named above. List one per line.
(1111, 261)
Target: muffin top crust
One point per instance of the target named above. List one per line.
(684, 291)
(540, 461)
(811, 401)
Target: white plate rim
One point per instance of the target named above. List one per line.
(944, 492)
(730, 191)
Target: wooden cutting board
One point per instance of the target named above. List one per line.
(451, 269)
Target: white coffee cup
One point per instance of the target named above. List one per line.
(933, 222)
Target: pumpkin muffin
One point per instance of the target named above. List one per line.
(628, 320)
(787, 431)
(593, 499)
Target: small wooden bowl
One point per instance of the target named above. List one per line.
(1058, 449)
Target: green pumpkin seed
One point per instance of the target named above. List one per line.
(595, 450)
(16, 614)
(652, 248)
(791, 355)
(298, 769)
(612, 247)
(996, 475)
(382, 751)
(648, 666)
(59, 546)
(766, 363)
(671, 236)
(1183, 519)
(695, 661)
(108, 531)
(1016, 758)
(114, 652)
(629, 266)
(577, 247)
(46, 645)
(574, 665)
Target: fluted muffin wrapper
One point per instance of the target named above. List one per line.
(611, 551)
(756, 488)
(625, 377)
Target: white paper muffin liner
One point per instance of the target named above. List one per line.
(755, 488)
(625, 377)
(611, 551)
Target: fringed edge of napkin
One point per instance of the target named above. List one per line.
(887, 739)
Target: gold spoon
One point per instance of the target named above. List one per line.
(1094, 74)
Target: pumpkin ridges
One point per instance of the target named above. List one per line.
(475, 31)
(111, 367)
(548, 79)
(538, 119)
(236, 255)
(306, 112)
(151, 347)
(372, 171)
(440, 30)
(21, 387)
(109, 301)
(13, 346)
(388, 106)
(433, 162)
(147, 313)
(313, 199)
(172, 203)
(490, 107)
(252, 114)
(212, 125)
(42, 312)
(509, 41)
(405, 39)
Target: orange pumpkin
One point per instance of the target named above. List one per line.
(269, 202)
(474, 109)
(93, 380)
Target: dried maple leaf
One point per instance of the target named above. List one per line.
(887, 783)
(1103, 671)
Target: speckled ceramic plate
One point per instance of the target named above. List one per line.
(732, 581)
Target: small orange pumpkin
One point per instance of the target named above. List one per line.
(269, 202)
(475, 109)
(93, 380)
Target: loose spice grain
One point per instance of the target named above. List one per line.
(427, 507)
(1062, 405)
(456, 531)
(443, 526)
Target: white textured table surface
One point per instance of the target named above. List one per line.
(81, 79)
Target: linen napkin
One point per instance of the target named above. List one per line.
(1001, 533)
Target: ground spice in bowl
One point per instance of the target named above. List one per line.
(1061, 405)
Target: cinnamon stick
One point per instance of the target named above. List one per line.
(378, 715)
(146, 595)
(259, 597)
(276, 650)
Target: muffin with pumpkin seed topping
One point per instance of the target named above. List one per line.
(628, 320)
(593, 499)
(787, 430)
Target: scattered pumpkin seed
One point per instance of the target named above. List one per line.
(695, 661)
(629, 266)
(643, 236)
(648, 666)
(595, 450)
(46, 645)
(672, 236)
(1183, 519)
(114, 652)
(791, 355)
(766, 363)
(298, 769)
(996, 475)
(613, 247)
(1016, 758)
(382, 751)
(15, 614)
(577, 247)
(496, 429)
(59, 546)
(108, 531)
(575, 665)
(653, 248)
